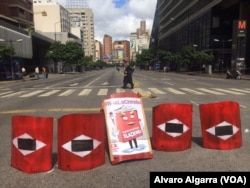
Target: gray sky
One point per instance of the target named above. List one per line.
(119, 18)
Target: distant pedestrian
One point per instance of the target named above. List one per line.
(37, 72)
(23, 71)
(128, 71)
(44, 72)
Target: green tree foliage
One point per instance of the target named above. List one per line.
(72, 53)
(6, 51)
(144, 57)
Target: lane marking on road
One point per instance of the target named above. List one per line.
(93, 81)
(156, 91)
(75, 84)
(228, 91)
(192, 91)
(103, 92)
(172, 90)
(32, 93)
(67, 93)
(210, 91)
(195, 103)
(49, 93)
(85, 92)
(13, 94)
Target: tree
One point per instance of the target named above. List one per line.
(56, 52)
(73, 54)
(6, 52)
(144, 58)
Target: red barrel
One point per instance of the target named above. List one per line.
(221, 125)
(81, 141)
(31, 149)
(172, 127)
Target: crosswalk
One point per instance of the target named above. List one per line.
(106, 91)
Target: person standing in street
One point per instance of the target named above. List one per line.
(23, 72)
(44, 72)
(128, 71)
(37, 72)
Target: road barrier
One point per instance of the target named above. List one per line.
(172, 127)
(82, 137)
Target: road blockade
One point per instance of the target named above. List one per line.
(31, 149)
(172, 126)
(81, 141)
(221, 125)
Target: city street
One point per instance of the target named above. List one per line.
(64, 94)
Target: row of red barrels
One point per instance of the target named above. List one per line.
(82, 139)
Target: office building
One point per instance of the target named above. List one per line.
(107, 48)
(215, 26)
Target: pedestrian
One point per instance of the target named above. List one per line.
(44, 72)
(37, 72)
(128, 71)
(23, 71)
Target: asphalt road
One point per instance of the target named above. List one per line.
(155, 89)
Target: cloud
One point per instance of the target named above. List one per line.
(119, 18)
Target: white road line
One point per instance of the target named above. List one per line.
(210, 91)
(240, 90)
(32, 93)
(13, 94)
(195, 103)
(119, 90)
(228, 91)
(7, 92)
(67, 93)
(75, 84)
(172, 90)
(192, 91)
(49, 93)
(103, 92)
(156, 91)
(85, 92)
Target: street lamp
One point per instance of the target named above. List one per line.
(55, 28)
(11, 56)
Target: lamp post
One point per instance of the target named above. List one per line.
(55, 28)
(11, 55)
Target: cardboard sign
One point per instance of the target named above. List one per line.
(126, 126)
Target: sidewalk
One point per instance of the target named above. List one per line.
(215, 75)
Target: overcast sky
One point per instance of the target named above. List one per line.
(119, 18)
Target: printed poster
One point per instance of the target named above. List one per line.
(126, 125)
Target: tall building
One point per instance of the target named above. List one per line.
(139, 40)
(82, 24)
(98, 50)
(121, 51)
(16, 12)
(107, 48)
(56, 24)
(216, 26)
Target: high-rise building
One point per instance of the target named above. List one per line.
(121, 51)
(82, 24)
(83, 19)
(107, 48)
(16, 12)
(217, 26)
(139, 40)
(98, 50)
(56, 24)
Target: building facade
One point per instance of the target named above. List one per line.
(212, 26)
(107, 48)
(121, 51)
(139, 40)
